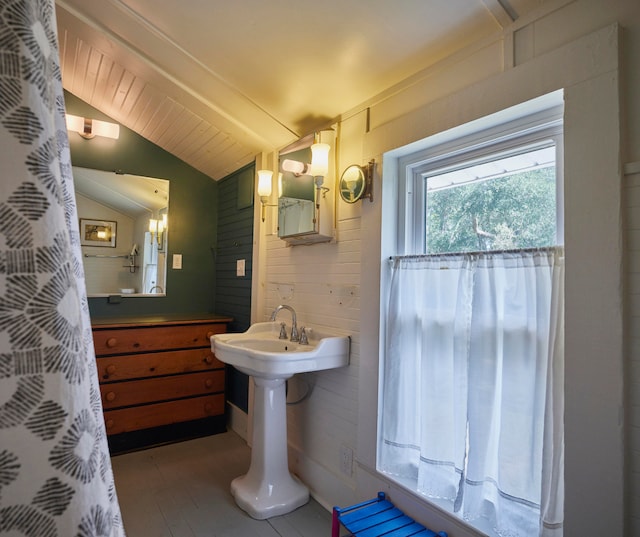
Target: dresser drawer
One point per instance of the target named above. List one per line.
(137, 392)
(153, 338)
(143, 417)
(159, 380)
(114, 368)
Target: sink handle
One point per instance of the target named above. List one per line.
(303, 336)
(283, 331)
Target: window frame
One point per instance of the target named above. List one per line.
(509, 137)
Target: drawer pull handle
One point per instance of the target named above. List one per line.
(112, 342)
(111, 369)
(109, 424)
(111, 396)
(208, 383)
(209, 334)
(208, 358)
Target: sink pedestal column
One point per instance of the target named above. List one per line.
(268, 489)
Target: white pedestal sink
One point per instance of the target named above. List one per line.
(268, 489)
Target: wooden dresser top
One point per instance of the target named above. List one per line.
(158, 320)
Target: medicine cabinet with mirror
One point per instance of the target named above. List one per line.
(123, 232)
(306, 203)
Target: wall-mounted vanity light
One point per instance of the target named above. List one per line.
(318, 168)
(296, 167)
(264, 190)
(88, 128)
(319, 162)
(356, 183)
(157, 229)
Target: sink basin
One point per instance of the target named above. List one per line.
(269, 345)
(268, 489)
(260, 353)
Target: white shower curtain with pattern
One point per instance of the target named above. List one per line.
(55, 471)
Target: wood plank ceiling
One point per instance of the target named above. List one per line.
(216, 82)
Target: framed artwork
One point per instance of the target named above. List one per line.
(98, 233)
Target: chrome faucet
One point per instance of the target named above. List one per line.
(294, 321)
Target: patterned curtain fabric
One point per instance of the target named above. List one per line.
(55, 470)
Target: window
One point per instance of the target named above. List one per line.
(471, 404)
(494, 190)
(504, 202)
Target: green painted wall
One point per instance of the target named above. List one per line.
(193, 203)
(235, 241)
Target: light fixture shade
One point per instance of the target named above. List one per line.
(88, 128)
(103, 128)
(264, 183)
(320, 159)
(294, 166)
(153, 225)
(75, 123)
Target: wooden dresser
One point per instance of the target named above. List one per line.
(159, 380)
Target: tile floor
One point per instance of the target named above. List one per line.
(182, 490)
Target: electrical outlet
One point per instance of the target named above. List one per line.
(346, 460)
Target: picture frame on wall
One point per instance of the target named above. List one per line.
(98, 233)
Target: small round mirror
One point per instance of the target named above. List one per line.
(352, 184)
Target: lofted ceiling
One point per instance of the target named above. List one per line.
(216, 82)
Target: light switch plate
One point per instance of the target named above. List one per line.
(177, 261)
(240, 267)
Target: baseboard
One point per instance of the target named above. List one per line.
(237, 421)
(165, 434)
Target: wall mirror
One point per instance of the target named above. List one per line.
(124, 235)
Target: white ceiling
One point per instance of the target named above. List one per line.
(215, 82)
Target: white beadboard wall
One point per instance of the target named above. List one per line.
(632, 206)
(324, 280)
(322, 283)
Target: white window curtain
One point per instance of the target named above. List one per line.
(472, 412)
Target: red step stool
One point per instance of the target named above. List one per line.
(375, 518)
